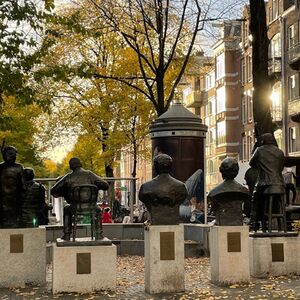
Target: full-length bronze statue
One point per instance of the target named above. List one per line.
(268, 159)
(11, 189)
(163, 194)
(68, 187)
(33, 200)
(228, 197)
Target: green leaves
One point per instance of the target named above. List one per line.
(20, 24)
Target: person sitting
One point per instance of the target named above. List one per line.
(106, 216)
(197, 216)
(126, 218)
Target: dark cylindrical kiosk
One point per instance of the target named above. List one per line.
(181, 134)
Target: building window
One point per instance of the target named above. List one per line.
(249, 106)
(250, 145)
(197, 84)
(243, 109)
(275, 46)
(249, 69)
(292, 139)
(221, 99)
(291, 36)
(276, 102)
(220, 66)
(293, 86)
(274, 9)
(270, 13)
(244, 147)
(210, 80)
(243, 71)
(221, 133)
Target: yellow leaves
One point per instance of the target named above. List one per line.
(50, 166)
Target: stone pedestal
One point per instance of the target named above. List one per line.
(274, 256)
(22, 257)
(164, 259)
(84, 269)
(229, 254)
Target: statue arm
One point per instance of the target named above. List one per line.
(42, 198)
(97, 181)
(101, 184)
(58, 189)
(254, 159)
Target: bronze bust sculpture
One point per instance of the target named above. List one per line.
(68, 187)
(163, 194)
(11, 189)
(227, 198)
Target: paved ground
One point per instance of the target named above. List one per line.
(130, 285)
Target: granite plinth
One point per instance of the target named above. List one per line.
(83, 242)
(273, 256)
(22, 257)
(84, 269)
(164, 259)
(229, 254)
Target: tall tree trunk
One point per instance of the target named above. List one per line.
(261, 82)
(109, 171)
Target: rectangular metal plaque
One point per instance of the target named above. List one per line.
(167, 246)
(233, 242)
(277, 252)
(16, 243)
(83, 263)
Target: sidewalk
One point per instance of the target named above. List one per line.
(130, 286)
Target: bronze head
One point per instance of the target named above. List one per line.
(267, 139)
(74, 163)
(9, 154)
(28, 174)
(229, 168)
(162, 163)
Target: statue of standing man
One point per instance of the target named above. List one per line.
(11, 189)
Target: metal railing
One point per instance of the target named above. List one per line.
(294, 54)
(274, 65)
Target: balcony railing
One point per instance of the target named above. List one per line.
(294, 57)
(274, 65)
(193, 99)
(294, 109)
(276, 113)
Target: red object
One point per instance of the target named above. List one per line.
(106, 217)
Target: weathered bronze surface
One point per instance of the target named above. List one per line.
(268, 159)
(277, 252)
(167, 246)
(163, 194)
(227, 198)
(80, 189)
(83, 263)
(16, 243)
(11, 189)
(234, 242)
(33, 200)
